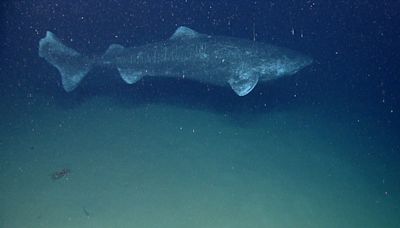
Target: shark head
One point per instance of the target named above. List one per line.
(246, 74)
(292, 64)
(283, 65)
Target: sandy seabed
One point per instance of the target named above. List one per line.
(160, 165)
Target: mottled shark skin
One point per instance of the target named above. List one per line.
(217, 60)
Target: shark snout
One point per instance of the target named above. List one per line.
(307, 61)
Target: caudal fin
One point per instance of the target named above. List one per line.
(72, 65)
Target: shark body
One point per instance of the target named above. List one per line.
(216, 60)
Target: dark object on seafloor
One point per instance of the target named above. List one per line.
(61, 173)
(86, 212)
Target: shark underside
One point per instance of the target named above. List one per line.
(216, 60)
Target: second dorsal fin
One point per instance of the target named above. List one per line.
(114, 49)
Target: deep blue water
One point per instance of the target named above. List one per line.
(355, 46)
(353, 43)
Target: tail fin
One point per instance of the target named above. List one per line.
(72, 65)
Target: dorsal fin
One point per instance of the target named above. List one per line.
(114, 49)
(184, 33)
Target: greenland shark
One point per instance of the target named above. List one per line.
(217, 60)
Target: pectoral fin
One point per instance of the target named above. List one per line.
(130, 76)
(244, 83)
